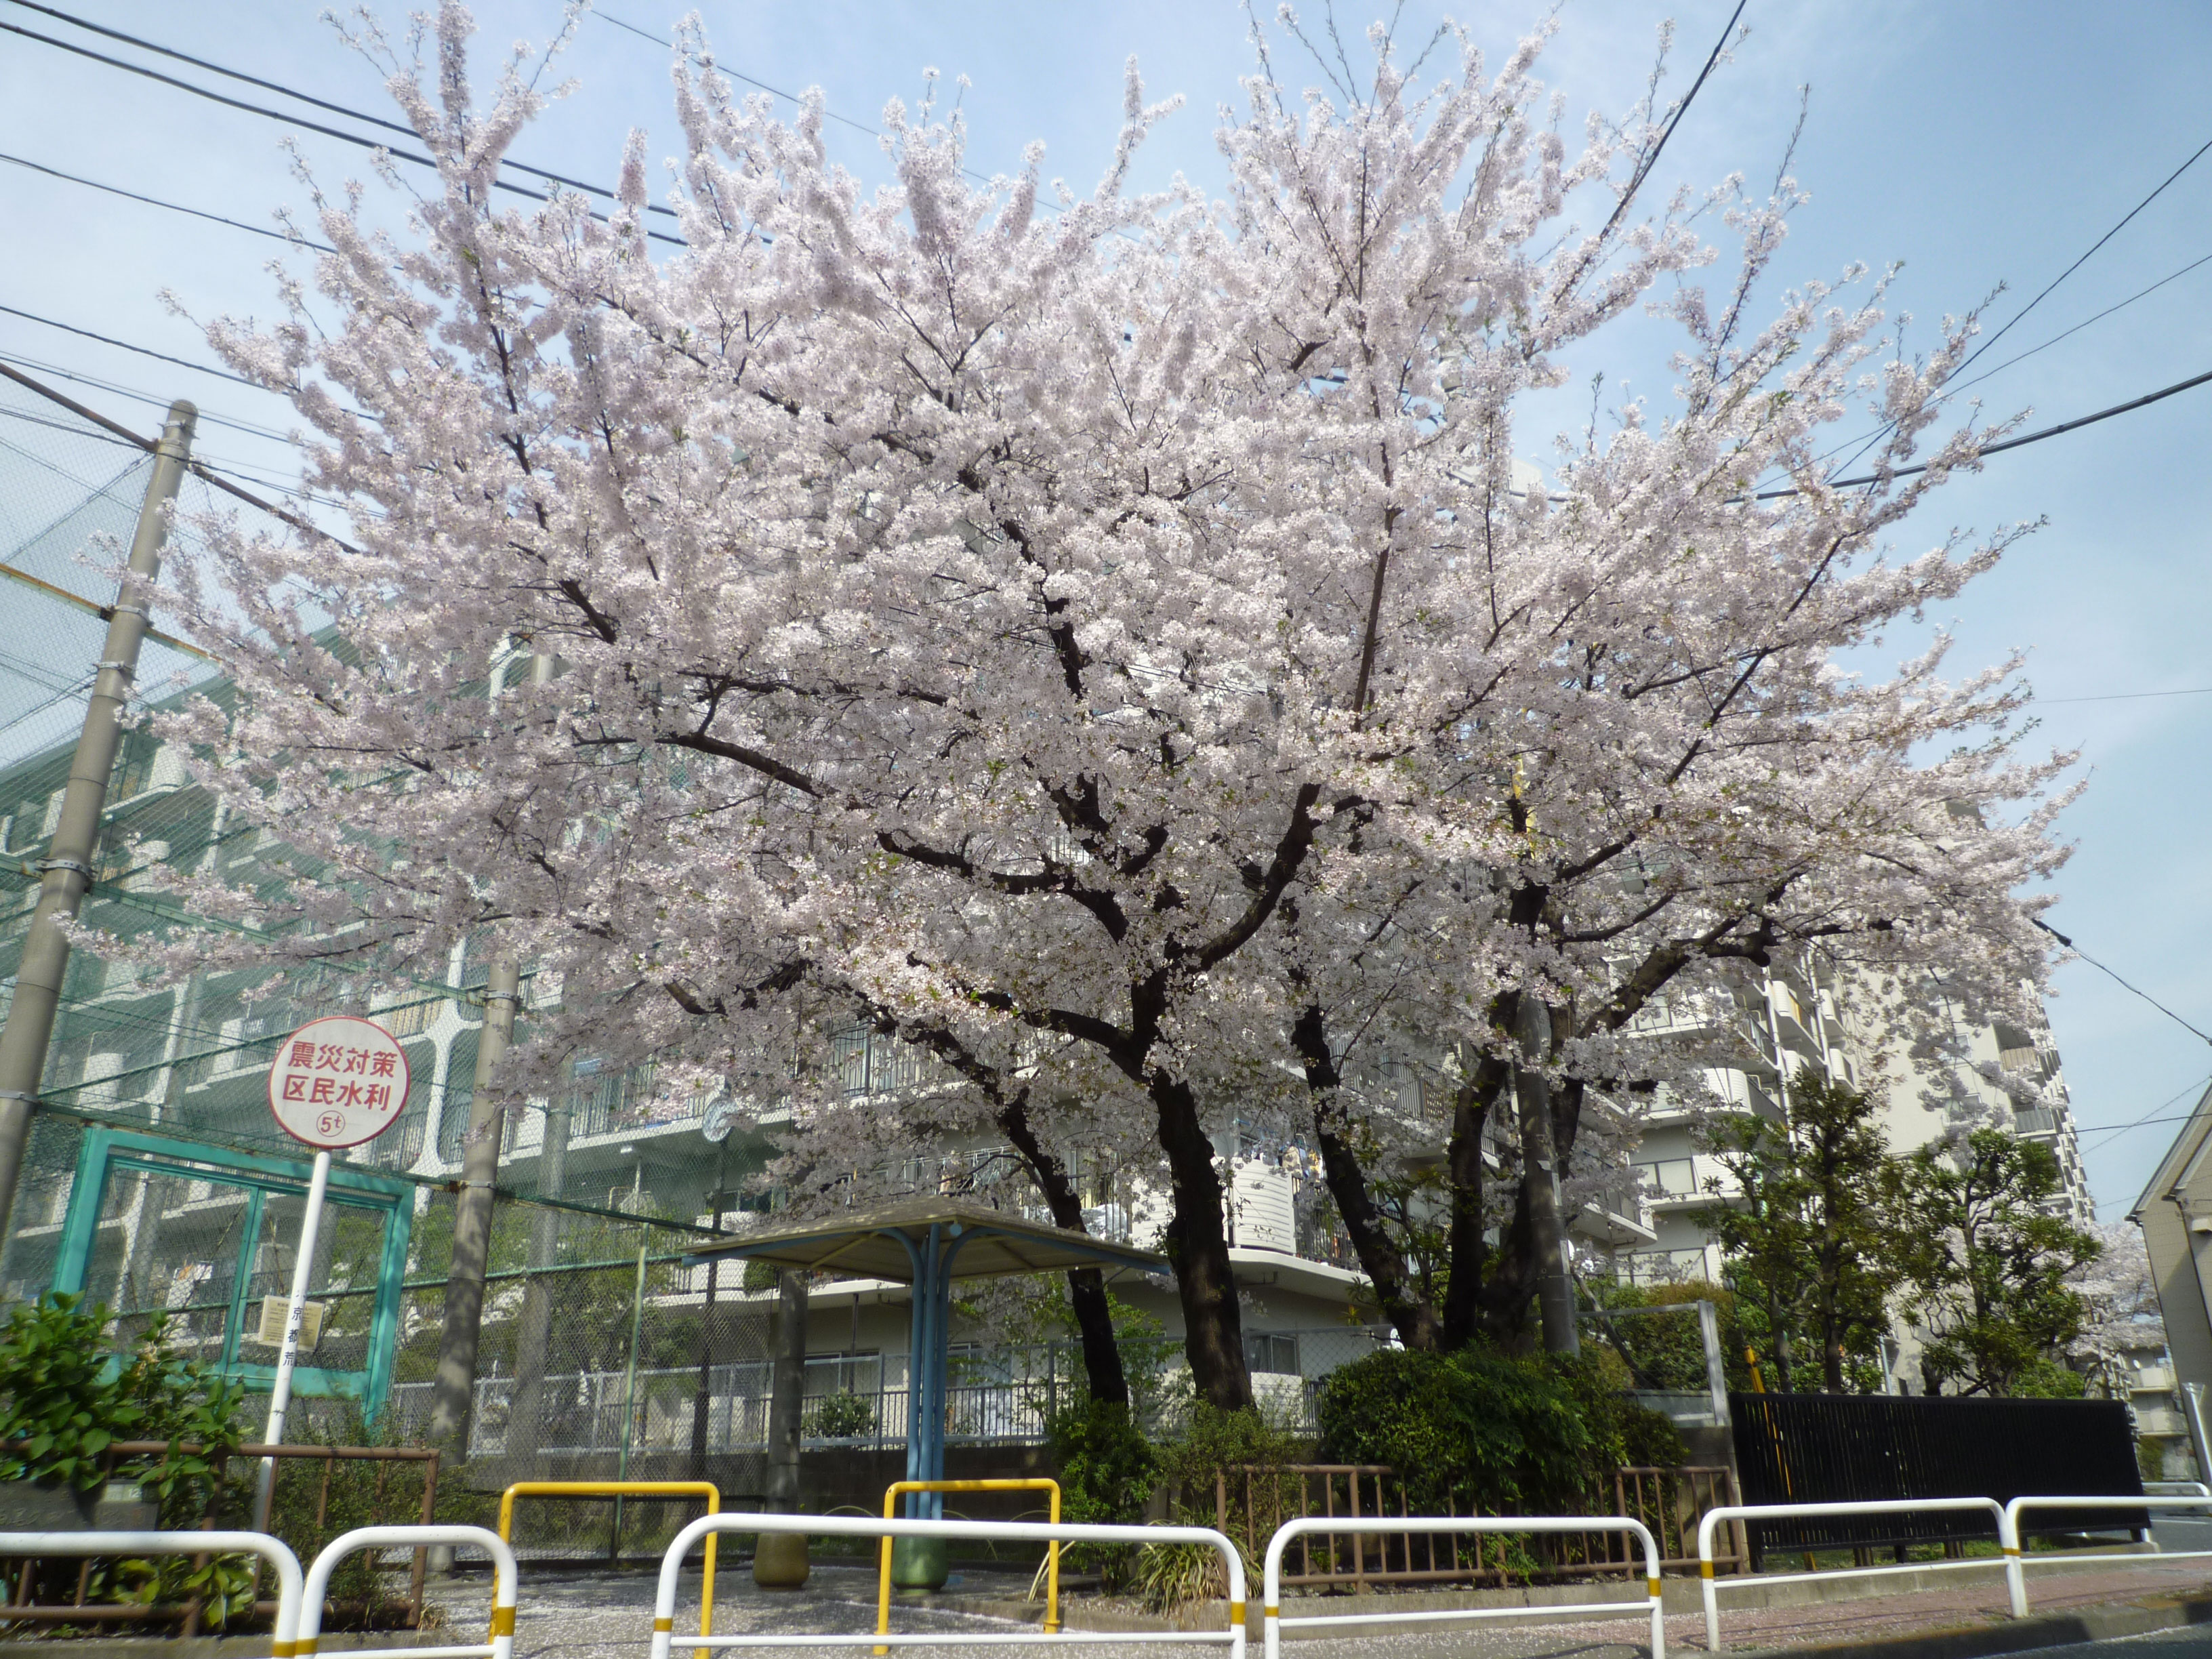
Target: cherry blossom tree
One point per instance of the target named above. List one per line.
(1104, 638)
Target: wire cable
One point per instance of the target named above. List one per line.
(2010, 443)
(173, 207)
(2108, 1132)
(1953, 391)
(199, 470)
(414, 156)
(2109, 973)
(605, 16)
(283, 91)
(2129, 696)
(2084, 260)
(125, 345)
(2053, 283)
(1644, 171)
(121, 391)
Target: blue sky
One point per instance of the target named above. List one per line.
(1978, 145)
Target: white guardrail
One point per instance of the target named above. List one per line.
(2016, 1562)
(1714, 1518)
(869, 1526)
(1272, 1578)
(499, 1644)
(182, 1543)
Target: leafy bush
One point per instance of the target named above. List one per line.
(1106, 1467)
(841, 1416)
(65, 1399)
(1505, 1433)
(1171, 1576)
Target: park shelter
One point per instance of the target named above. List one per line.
(927, 1244)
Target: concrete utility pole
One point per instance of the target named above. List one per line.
(453, 1398)
(1555, 1287)
(453, 1395)
(68, 867)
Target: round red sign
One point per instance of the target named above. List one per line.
(338, 1081)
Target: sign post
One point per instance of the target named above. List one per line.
(337, 1082)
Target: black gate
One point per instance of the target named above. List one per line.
(1835, 1447)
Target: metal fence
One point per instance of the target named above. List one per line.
(1252, 1503)
(1820, 1447)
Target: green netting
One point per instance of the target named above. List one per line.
(590, 1363)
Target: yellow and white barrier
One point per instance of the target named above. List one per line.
(1713, 1519)
(2016, 1563)
(499, 1644)
(284, 1636)
(1271, 1580)
(868, 1526)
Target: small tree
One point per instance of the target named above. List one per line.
(1805, 1237)
(1987, 1263)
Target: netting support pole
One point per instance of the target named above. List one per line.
(67, 869)
(452, 1399)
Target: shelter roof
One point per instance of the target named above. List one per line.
(874, 1243)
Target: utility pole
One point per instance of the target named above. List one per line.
(1555, 1288)
(452, 1396)
(67, 869)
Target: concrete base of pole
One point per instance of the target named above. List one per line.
(438, 1561)
(919, 1564)
(780, 1560)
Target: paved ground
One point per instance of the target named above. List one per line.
(596, 1615)
(2160, 1644)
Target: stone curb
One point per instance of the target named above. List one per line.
(2053, 1630)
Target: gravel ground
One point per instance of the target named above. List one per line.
(599, 1615)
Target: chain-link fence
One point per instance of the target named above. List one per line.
(156, 1181)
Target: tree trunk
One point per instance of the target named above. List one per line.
(1468, 1242)
(1411, 1314)
(1539, 1179)
(1197, 1244)
(787, 1408)
(1086, 1286)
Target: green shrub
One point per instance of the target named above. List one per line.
(65, 1398)
(1503, 1433)
(62, 1401)
(1106, 1467)
(841, 1416)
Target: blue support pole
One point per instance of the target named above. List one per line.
(918, 1348)
(930, 1506)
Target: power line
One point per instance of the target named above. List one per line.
(246, 426)
(2010, 443)
(1644, 171)
(1887, 425)
(354, 138)
(605, 16)
(283, 91)
(2101, 968)
(2129, 697)
(1953, 391)
(2107, 1131)
(173, 207)
(2084, 260)
(125, 345)
(199, 470)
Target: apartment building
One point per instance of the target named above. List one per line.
(1800, 1012)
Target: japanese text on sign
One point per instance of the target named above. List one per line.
(338, 1081)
